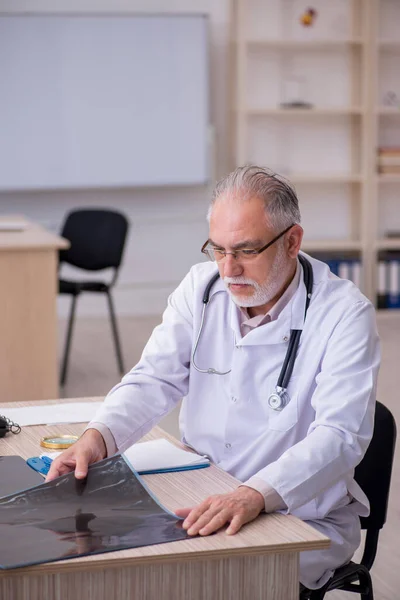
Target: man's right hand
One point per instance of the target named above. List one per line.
(90, 448)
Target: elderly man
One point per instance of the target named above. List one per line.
(277, 372)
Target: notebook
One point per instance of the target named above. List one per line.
(158, 456)
(161, 456)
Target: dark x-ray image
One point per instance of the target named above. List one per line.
(110, 510)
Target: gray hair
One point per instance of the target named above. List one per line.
(278, 195)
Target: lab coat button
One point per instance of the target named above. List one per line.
(233, 399)
(285, 338)
(228, 446)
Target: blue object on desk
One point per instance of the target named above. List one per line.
(174, 469)
(42, 465)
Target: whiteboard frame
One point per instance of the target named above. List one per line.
(210, 134)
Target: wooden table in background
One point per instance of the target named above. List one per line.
(258, 563)
(28, 313)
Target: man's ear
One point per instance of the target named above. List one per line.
(294, 239)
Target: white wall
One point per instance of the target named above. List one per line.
(168, 225)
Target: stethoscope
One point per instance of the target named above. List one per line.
(280, 397)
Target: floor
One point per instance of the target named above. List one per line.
(93, 371)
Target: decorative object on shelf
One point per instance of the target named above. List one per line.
(388, 160)
(294, 93)
(308, 17)
(391, 99)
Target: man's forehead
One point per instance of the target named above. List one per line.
(232, 213)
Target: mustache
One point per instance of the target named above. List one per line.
(239, 281)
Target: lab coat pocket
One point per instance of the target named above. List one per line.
(285, 419)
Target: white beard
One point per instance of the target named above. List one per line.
(264, 292)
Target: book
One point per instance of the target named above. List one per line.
(389, 150)
(390, 170)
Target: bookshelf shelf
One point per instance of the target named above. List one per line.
(285, 44)
(388, 110)
(304, 112)
(331, 245)
(388, 178)
(389, 44)
(388, 244)
(310, 179)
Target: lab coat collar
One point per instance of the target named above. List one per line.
(275, 332)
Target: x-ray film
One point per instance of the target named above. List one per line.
(110, 510)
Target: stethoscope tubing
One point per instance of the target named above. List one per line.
(280, 398)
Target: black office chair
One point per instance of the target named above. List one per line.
(97, 238)
(373, 475)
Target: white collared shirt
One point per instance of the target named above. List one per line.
(249, 323)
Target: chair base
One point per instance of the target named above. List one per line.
(345, 578)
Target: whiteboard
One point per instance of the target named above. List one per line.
(103, 101)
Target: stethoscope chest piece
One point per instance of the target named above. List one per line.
(279, 399)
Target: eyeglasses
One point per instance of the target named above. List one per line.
(244, 254)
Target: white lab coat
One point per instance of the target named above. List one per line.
(308, 451)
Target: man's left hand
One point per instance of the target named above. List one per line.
(237, 508)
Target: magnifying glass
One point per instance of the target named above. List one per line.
(58, 442)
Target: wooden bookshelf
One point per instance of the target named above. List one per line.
(345, 73)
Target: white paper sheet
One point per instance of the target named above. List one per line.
(74, 412)
(13, 225)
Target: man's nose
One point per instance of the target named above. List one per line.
(232, 267)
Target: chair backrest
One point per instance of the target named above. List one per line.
(374, 472)
(97, 238)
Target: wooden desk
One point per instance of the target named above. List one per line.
(28, 313)
(258, 563)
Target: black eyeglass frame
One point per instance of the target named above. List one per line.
(254, 252)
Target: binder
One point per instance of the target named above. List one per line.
(345, 269)
(356, 273)
(382, 287)
(394, 284)
(388, 279)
